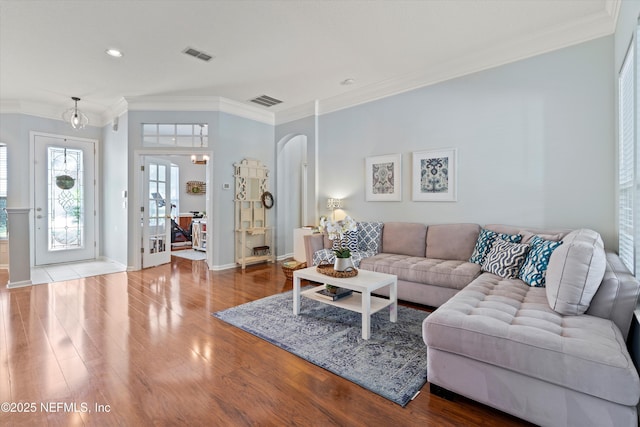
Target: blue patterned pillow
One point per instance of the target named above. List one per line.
(534, 269)
(505, 259)
(370, 235)
(349, 240)
(485, 241)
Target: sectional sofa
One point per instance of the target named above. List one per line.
(531, 322)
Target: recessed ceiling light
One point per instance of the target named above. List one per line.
(114, 52)
(347, 82)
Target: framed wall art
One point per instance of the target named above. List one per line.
(434, 176)
(384, 178)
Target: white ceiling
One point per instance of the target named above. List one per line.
(296, 51)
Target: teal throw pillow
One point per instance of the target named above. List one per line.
(485, 241)
(505, 259)
(534, 269)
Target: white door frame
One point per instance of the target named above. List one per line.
(138, 195)
(32, 186)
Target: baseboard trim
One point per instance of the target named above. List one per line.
(20, 284)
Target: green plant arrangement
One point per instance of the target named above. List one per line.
(342, 253)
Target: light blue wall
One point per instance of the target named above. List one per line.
(535, 144)
(284, 132)
(238, 138)
(114, 180)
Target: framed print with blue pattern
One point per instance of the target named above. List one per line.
(434, 176)
(383, 178)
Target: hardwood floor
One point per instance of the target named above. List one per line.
(142, 349)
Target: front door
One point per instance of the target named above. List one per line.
(156, 212)
(64, 199)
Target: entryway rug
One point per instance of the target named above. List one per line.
(392, 363)
(191, 254)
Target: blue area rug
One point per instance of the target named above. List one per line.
(392, 363)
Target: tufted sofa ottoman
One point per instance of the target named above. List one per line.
(499, 342)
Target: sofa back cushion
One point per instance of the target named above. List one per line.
(527, 233)
(575, 271)
(451, 241)
(404, 238)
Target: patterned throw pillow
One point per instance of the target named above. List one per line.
(349, 240)
(534, 269)
(370, 235)
(485, 241)
(505, 259)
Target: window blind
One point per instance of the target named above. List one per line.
(3, 191)
(3, 170)
(626, 162)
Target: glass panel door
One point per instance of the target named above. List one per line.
(64, 200)
(156, 218)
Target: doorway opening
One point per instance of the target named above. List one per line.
(173, 207)
(292, 185)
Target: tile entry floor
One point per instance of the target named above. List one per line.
(59, 272)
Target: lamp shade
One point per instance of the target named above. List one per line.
(334, 203)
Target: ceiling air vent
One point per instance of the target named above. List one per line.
(265, 100)
(198, 54)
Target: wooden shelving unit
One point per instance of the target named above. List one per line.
(199, 234)
(254, 237)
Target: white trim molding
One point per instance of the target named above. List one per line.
(199, 103)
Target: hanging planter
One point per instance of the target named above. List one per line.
(65, 182)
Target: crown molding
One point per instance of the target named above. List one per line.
(199, 103)
(45, 111)
(116, 110)
(295, 113)
(240, 109)
(143, 103)
(613, 9)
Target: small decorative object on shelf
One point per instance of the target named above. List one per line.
(334, 294)
(196, 187)
(261, 250)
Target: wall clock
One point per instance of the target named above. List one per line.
(267, 199)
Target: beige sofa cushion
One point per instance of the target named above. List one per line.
(452, 274)
(452, 241)
(575, 271)
(505, 322)
(404, 238)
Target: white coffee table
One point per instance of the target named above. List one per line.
(363, 302)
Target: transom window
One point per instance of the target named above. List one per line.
(175, 135)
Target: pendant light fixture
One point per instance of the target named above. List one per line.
(76, 118)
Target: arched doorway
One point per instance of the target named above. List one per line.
(292, 186)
